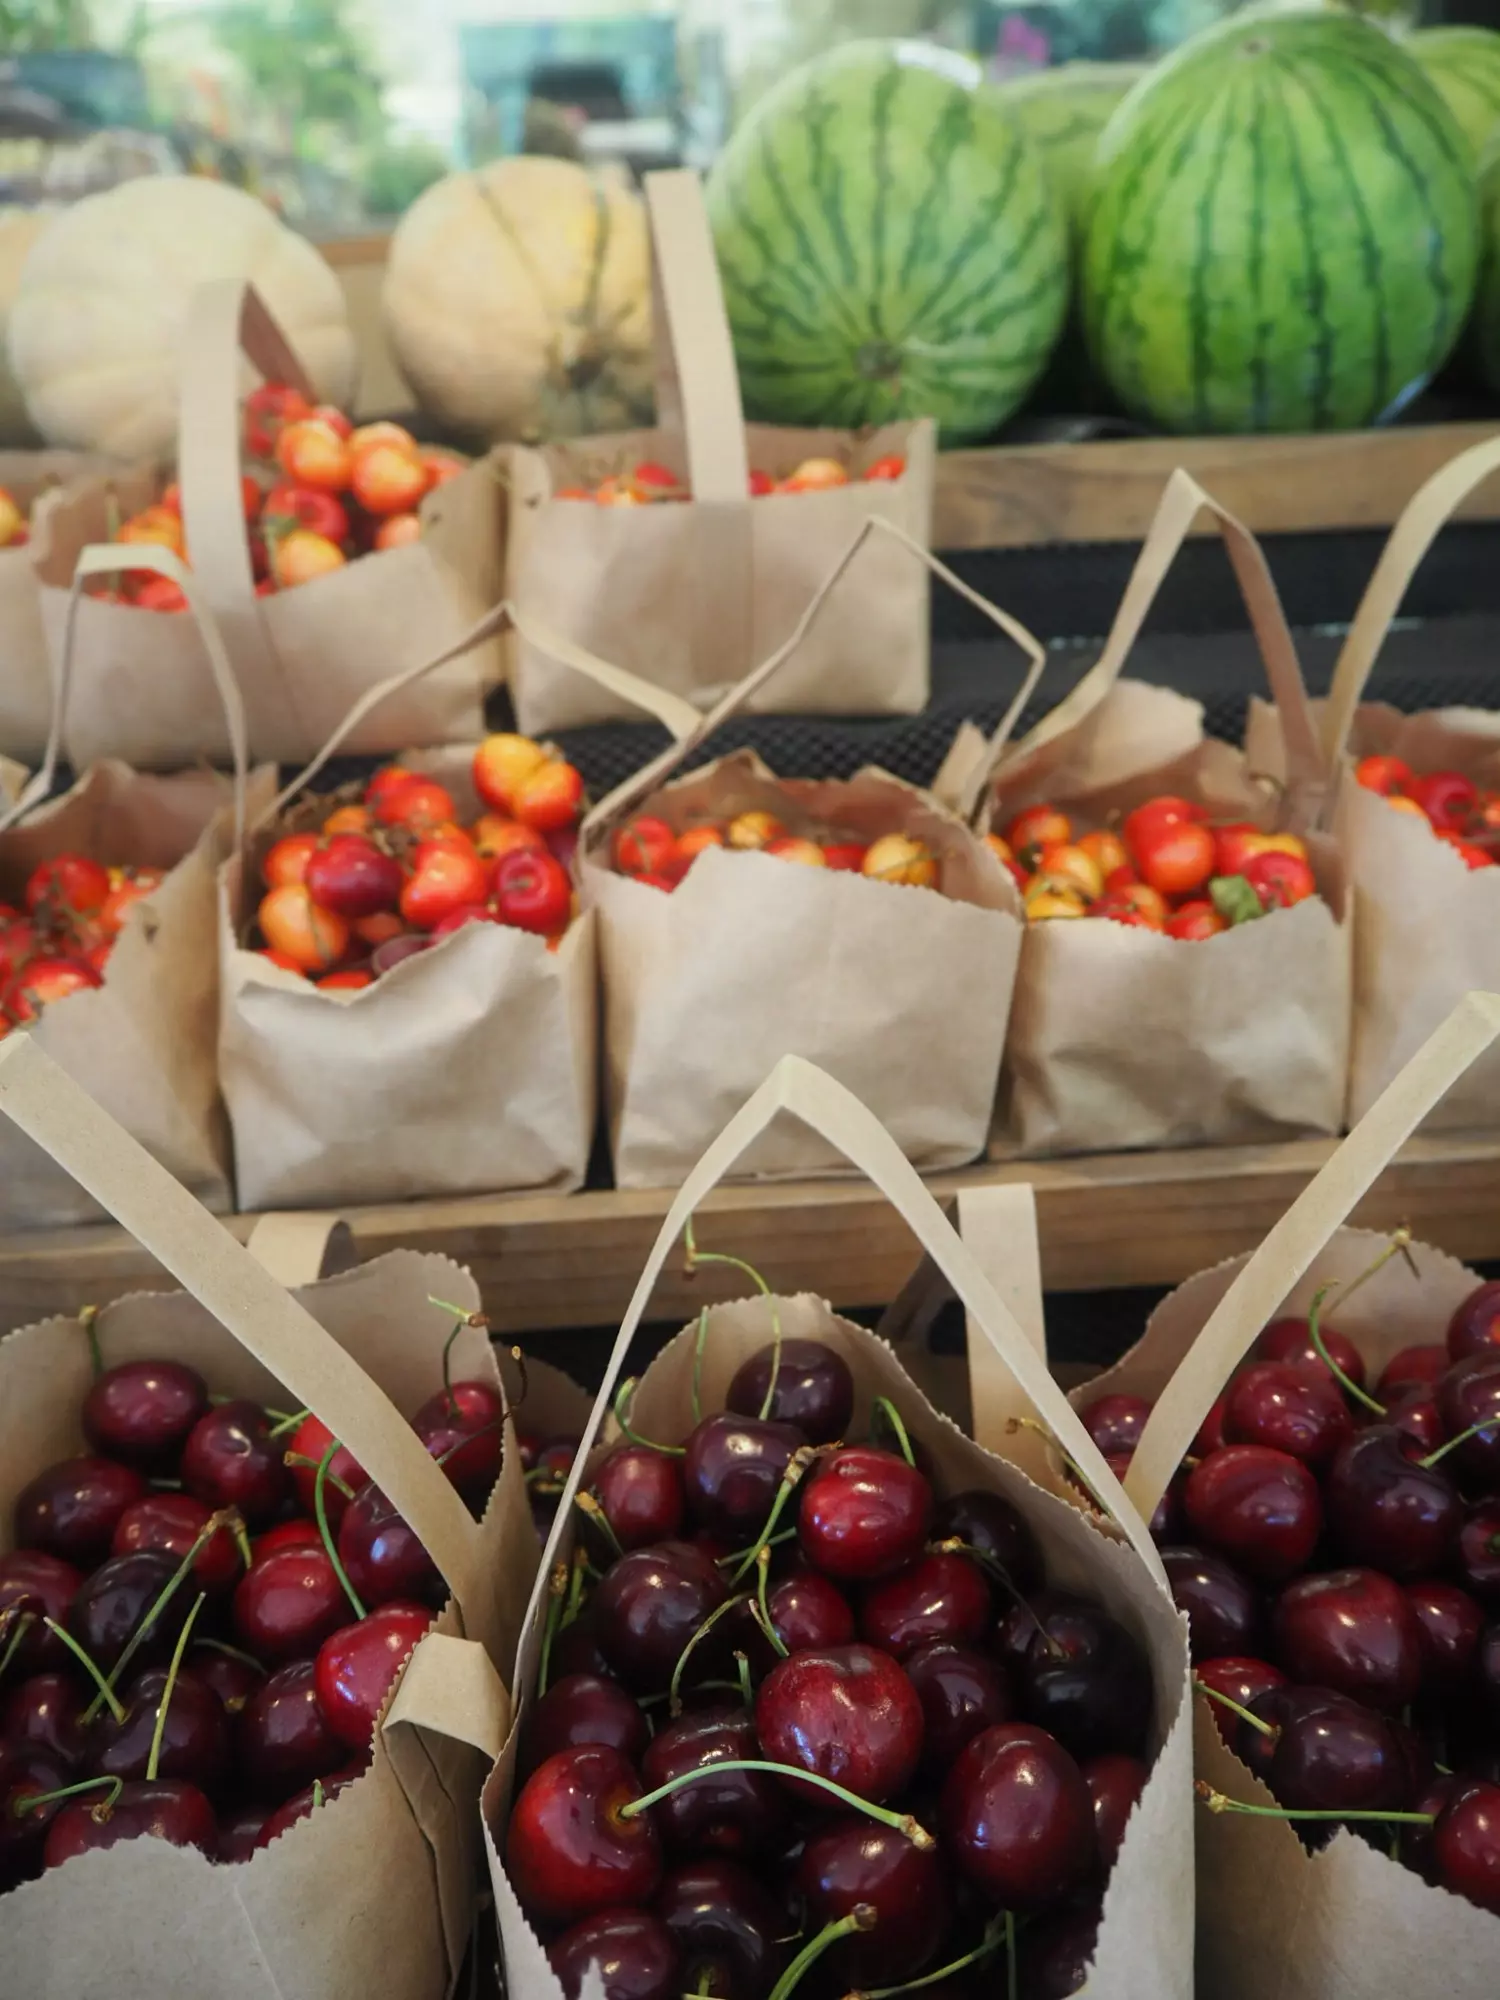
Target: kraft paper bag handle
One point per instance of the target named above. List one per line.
(39, 1097)
(1301, 1235)
(1422, 519)
(661, 768)
(1182, 501)
(119, 558)
(836, 1114)
(698, 398)
(294, 1245)
(998, 1224)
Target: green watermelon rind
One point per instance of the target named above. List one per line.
(1064, 110)
(1464, 65)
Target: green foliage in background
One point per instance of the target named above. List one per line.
(308, 59)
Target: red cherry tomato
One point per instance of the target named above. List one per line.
(761, 483)
(643, 846)
(42, 980)
(351, 981)
(892, 466)
(122, 899)
(67, 885)
(1448, 798)
(844, 857)
(159, 593)
(1175, 857)
(445, 877)
(532, 891)
(291, 506)
(1383, 774)
(421, 804)
(550, 797)
(268, 410)
(1280, 879)
(1037, 827)
(1195, 921)
(1154, 814)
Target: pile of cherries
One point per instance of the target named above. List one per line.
(59, 941)
(392, 872)
(649, 483)
(800, 1720)
(655, 852)
(1337, 1552)
(202, 1616)
(1463, 816)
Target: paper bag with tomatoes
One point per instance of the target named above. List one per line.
(331, 557)
(689, 552)
(1421, 820)
(745, 916)
(1185, 974)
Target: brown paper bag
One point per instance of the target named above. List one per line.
(1144, 1949)
(375, 1892)
(1427, 929)
(1123, 1038)
(691, 595)
(1345, 1923)
(901, 994)
(301, 656)
(143, 1043)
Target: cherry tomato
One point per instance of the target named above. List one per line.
(291, 506)
(67, 885)
(348, 819)
(643, 846)
(386, 480)
(345, 981)
(902, 858)
(421, 804)
(281, 958)
(845, 857)
(121, 900)
(444, 877)
(1044, 903)
(1139, 896)
(1195, 921)
(268, 410)
(550, 797)
(1035, 827)
(532, 891)
(1383, 774)
(1061, 862)
(1474, 857)
(466, 913)
(1154, 814)
(1232, 847)
(1279, 879)
(748, 830)
(353, 877)
(815, 475)
(398, 531)
(43, 980)
(1129, 914)
(313, 938)
(655, 481)
(792, 847)
(1175, 857)
(1447, 797)
(159, 593)
(302, 557)
(494, 835)
(761, 483)
(287, 860)
(891, 466)
(1401, 803)
(1106, 849)
(379, 929)
(500, 763)
(312, 453)
(695, 840)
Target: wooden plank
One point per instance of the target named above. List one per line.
(549, 1262)
(1021, 496)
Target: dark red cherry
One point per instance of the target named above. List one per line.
(1259, 1507)
(172, 1522)
(989, 1524)
(631, 1954)
(382, 1556)
(71, 1509)
(46, 1711)
(1168, 1522)
(288, 1604)
(808, 1612)
(1351, 1630)
(463, 1426)
(732, 1470)
(936, 1597)
(194, 1734)
(583, 1708)
(726, 1927)
(142, 1411)
(1057, 1954)
(848, 1713)
(38, 1585)
(295, 1534)
(864, 1513)
(158, 1809)
(1085, 1680)
(1242, 1679)
(308, 1442)
(1290, 1340)
(741, 1813)
(240, 1831)
(1470, 1394)
(1336, 1755)
(27, 1772)
(231, 1460)
(570, 1850)
(1223, 1608)
(1277, 1704)
(1385, 1509)
(120, 1597)
(853, 1860)
(304, 1804)
(1017, 1817)
(1475, 1325)
(1478, 1551)
(1210, 1437)
(1466, 1845)
(356, 1666)
(1290, 1406)
(1412, 1368)
(1115, 1783)
(640, 1490)
(282, 1740)
(1414, 1412)
(232, 1679)
(575, 1650)
(1115, 1422)
(814, 1389)
(1450, 1623)
(961, 1691)
(649, 1605)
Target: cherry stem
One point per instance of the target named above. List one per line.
(953, 1546)
(106, 1692)
(232, 1653)
(461, 1318)
(23, 1622)
(698, 1345)
(695, 1257)
(290, 1423)
(1220, 1802)
(899, 1822)
(763, 1565)
(318, 1793)
(590, 1509)
(101, 1811)
(557, 1585)
(1014, 1424)
(772, 1542)
(1398, 1246)
(674, 1686)
(88, 1320)
(1315, 1335)
(884, 1407)
(742, 1671)
(1452, 1444)
(860, 1918)
(312, 1464)
(227, 1517)
(581, 1568)
(988, 1945)
(320, 1511)
(1236, 1708)
(623, 1399)
(168, 1687)
(796, 1466)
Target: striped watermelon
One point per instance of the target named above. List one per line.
(889, 245)
(1065, 110)
(1464, 63)
(1482, 347)
(1285, 236)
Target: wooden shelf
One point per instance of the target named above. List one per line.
(555, 1261)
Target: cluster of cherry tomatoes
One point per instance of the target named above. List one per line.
(393, 872)
(60, 941)
(1165, 868)
(649, 481)
(15, 521)
(1458, 812)
(660, 855)
(329, 492)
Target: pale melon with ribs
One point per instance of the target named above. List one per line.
(100, 317)
(19, 229)
(518, 301)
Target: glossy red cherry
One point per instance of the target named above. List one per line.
(1475, 1325)
(1017, 1817)
(640, 1490)
(1469, 1394)
(38, 1585)
(1450, 1624)
(1115, 1422)
(809, 1612)
(1466, 1846)
(583, 1708)
(304, 1804)
(1412, 1368)
(1242, 1679)
(936, 1597)
(732, 1469)
(853, 1860)
(240, 1831)
(1291, 1340)
(814, 1389)
(1115, 1784)
(194, 1734)
(141, 1412)
(27, 1771)
(998, 1531)
(741, 1813)
(232, 1679)
(463, 1426)
(961, 1691)
(382, 1555)
(282, 1739)
(864, 1513)
(1259, 1507)
(288, 1604)
(570, 1850)
(161, 1809)
(728, 1930)
(172, 1523)
(355, 1668)
(308, 1442)
(72, 1508)
(119, 1598)
(1333, 1754)
(848, 1713)
(1057, 1954)
(1291, 1406)
(1478, 1551)
(630, 1953)
(1351, 1630)
(1415, 1413)
(297, 1534)
(649, 1605)
(1223, 1607)
(1386, 1510)
(231, 1460)
(1085, 1679)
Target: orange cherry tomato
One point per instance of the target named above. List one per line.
(1276, 843)
(442, 466)
(383, 433)
(1175, 857)
(313, 938)
(286, 861)
(550, 797)
(1141, 897)
(345, 981)
(500, 763)
(398, 531)
(753, 829)
(386, 480)
(330, 414)
(302, 555)
(313, 454)
(1062, 863)
(377, 929)
(1036, 827)
(693, 841)
(891, 466)
(348, 819)
(1107, 849)
(1195, 921)
(1403, 804)
(815, 475)
(494, 835)
(280, 958)
(124, 896)
(154, 527)
(1044, 903)
(1383, 774)
(899, 857)
(1131, 915)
